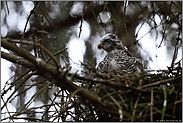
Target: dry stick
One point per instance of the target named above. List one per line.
(41, 42)
(105, 6)
(62, 107)
(161, 82)
(162, 37)
(3, 91)
(176, 6)
(40, 51)
(119, 106)
(139, 29)
(6, 109)
(123, 101)
(22, 92)
(125, 19)
(15, 82)
(36, 16)
(151, 107)
(165, 102)
(18, 60)
(31, 119)
(94, 15)
(82, 20)
(20, 84)
(7, 7)
(31, 12)
(52, 104)
(33, 108)
(176, 97)
(147, 54)
(32, 99)
(175, 17)
(47, 101)
(167, 115)
(146, 33)
(38, 45)
(175, 51)
(37, 19)
(146, 13)
(111, 17)
(67, 102)
(36, 84)
(46, 17)
(134, 109)
(57, 53)
(33, 39)
(109, 94)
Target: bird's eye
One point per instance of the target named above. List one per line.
(107, 41)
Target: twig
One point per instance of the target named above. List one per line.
(123, 101)
(151, 107)
(176, 97)
(57, 53)
(34, 32)
(95, 15)
(40, 51)
(175, 51)
(35, 96)
(6, 108)
(52, 104)
(31, 12)
(3, 91)
(146, 13)
(167, 115)
(125, 18)
(7, 7)
(37, 45)
(161, 82)
(82, 20)
(134, 109)
(165, 102)
(111, 18)
(15, 82)
(21, 81)
(46, 17)
(119, 106)
(162, 37)
(105, 6)
(139, 29)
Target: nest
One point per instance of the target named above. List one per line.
(148, 96)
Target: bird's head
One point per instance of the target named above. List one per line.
(110, 42)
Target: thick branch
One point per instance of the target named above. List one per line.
(62, 79)
(17, 59)
(18, 50)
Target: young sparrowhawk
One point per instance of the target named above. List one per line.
(118, 58)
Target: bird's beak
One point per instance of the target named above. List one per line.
(100, 46)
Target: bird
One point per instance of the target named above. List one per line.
(118, 57)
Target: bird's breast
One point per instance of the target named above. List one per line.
(114, 65)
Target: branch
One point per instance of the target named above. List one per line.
(162, 82)
(37, 45)
(62, 79)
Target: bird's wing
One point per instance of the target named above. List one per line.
(127, 62)
(104, 64)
